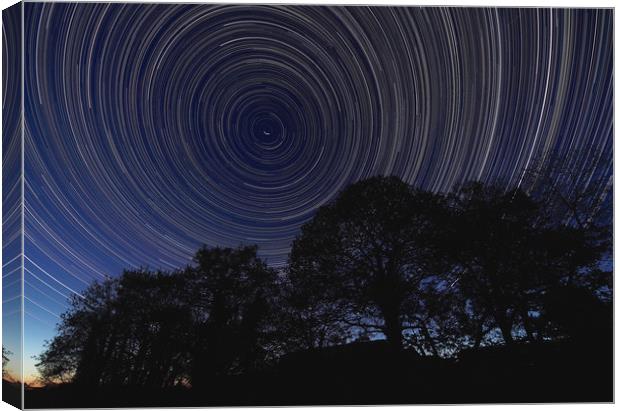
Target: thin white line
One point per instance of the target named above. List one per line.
(43, 308)
(11, 260)
(10, 272)
(45, 283)
(10, 299)
(53, 278)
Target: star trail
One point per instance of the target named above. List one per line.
(154, 128)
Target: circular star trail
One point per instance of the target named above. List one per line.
(153, 129)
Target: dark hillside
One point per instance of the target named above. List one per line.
(369, 373)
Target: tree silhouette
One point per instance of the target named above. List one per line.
(153, 330)
(508, 254)
(576, 313)
(5, 359)
(73, 353)
(306, 318)
(232, 294)
(366, 255)
(486, 274)
(577, 193)
(157, 329)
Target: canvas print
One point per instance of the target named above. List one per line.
(246, 204)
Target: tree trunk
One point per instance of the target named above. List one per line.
(479, 336)
(527, 324)
(393, 329)
(505, 327)
(90, 366)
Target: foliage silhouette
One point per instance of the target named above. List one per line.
(155, 329)
(368, 255)
(5, 359)
(233, 296)
(387, 288)
(507, 255)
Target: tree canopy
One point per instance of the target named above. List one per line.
(432, 273)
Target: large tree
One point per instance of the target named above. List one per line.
(75, 352)
(159, 329)
(364, 258)
(508, 253)
(233, 299)
(577, 193)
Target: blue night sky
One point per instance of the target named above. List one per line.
(152, 129)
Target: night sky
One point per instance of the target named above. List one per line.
(153, 129)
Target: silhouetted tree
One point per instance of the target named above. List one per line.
(150, 343)
(508, 254)
(74, 353)
(308, 320)
(5, 359)
(362, 259)
(439, 274)
(439, 331)
(576, 191)
(232, 295)
(158, 329)
(578, 314)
